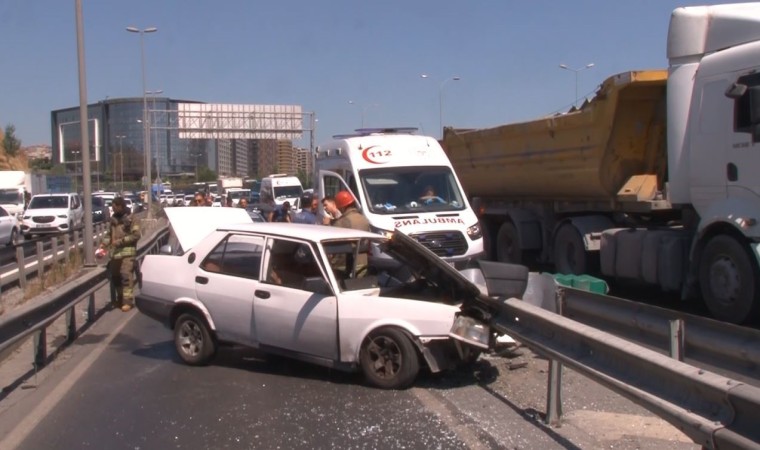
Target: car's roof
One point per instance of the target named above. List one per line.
(299, 230)
(192, 224)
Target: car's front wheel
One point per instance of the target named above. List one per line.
(388, 359)
(14, 237)
(193, 341)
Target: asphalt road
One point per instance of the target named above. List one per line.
(121, 386)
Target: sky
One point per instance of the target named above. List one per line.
(348, 62)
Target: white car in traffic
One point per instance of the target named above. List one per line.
(338, 297)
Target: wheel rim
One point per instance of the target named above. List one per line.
(190, 338)
(725, 281)
(385, 356)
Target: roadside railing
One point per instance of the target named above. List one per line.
(715, 411)
(19, 325)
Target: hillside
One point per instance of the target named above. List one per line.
(18, 162)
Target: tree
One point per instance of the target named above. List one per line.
(10, 142)
(206, 174)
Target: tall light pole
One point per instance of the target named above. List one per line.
(153, 124)
(363, 108)
(121, 160)
(146, 135)
(440, 97)
(566, 67)
(89, 253)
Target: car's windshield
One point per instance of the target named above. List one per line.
(49, 202)
(287, 191)
(9, 196)
(411, 189)
(242, 193)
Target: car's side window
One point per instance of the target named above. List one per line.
(237, 255)
(293, 264)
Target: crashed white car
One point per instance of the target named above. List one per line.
(337, 297)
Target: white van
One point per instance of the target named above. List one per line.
(403, 181)
(280, 188)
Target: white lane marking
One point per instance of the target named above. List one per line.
(22, 430)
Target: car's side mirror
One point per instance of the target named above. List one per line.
(317, 285)
(165, 250)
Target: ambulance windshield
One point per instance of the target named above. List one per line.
(411, 190)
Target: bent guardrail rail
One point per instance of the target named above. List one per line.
(715, 411)
(19, 325)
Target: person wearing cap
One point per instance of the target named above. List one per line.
(350, 216)
(120, 241)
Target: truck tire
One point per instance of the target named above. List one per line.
(508, 248)
(570, 256)
(728, 281)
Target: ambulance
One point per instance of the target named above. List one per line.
(402, 181)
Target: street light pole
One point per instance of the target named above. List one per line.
(121, 160)
(363, 108)
(146, 135)
(153, 124)
(440, 97)
(566, 67)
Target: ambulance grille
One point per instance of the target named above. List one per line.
(443, 243)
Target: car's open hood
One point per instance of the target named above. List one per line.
(191, 224)
(431, 265)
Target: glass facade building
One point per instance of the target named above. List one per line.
(117, 141)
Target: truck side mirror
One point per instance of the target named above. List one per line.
(736, 90)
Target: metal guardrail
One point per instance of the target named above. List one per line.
(715, 411)
(18, 326)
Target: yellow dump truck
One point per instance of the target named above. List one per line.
(653, 179)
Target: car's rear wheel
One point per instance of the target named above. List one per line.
(388, 359)
(193, 341)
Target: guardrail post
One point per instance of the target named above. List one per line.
(91, 308)
(21, 266)
(66, 249)
(40, 348)
(71, 328)
(41, 264)
(554, 379)
(76, 239)
(54, 249)
(677, 339)
(554, 393)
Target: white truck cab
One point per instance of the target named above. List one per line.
(402, 181)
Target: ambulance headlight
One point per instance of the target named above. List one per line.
(474, 232)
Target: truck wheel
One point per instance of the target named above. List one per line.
(508, 245)
(388, 359)
(570, 256)
(728, 282)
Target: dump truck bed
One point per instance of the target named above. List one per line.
(586, 154)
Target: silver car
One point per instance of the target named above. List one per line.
(337, 297)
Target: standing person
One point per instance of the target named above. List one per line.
(120, 240)
(309, 212)
(243, 203)
(350, 217)
(198, 199)
(331, 212)
(282, 214)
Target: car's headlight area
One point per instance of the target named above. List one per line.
(474, 232)
(26, 217)
(470, 331)
(62, 216)
(380, 231)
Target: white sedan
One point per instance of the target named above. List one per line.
(337, 297)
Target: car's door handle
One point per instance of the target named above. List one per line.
(201, 280)
(261, 294)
